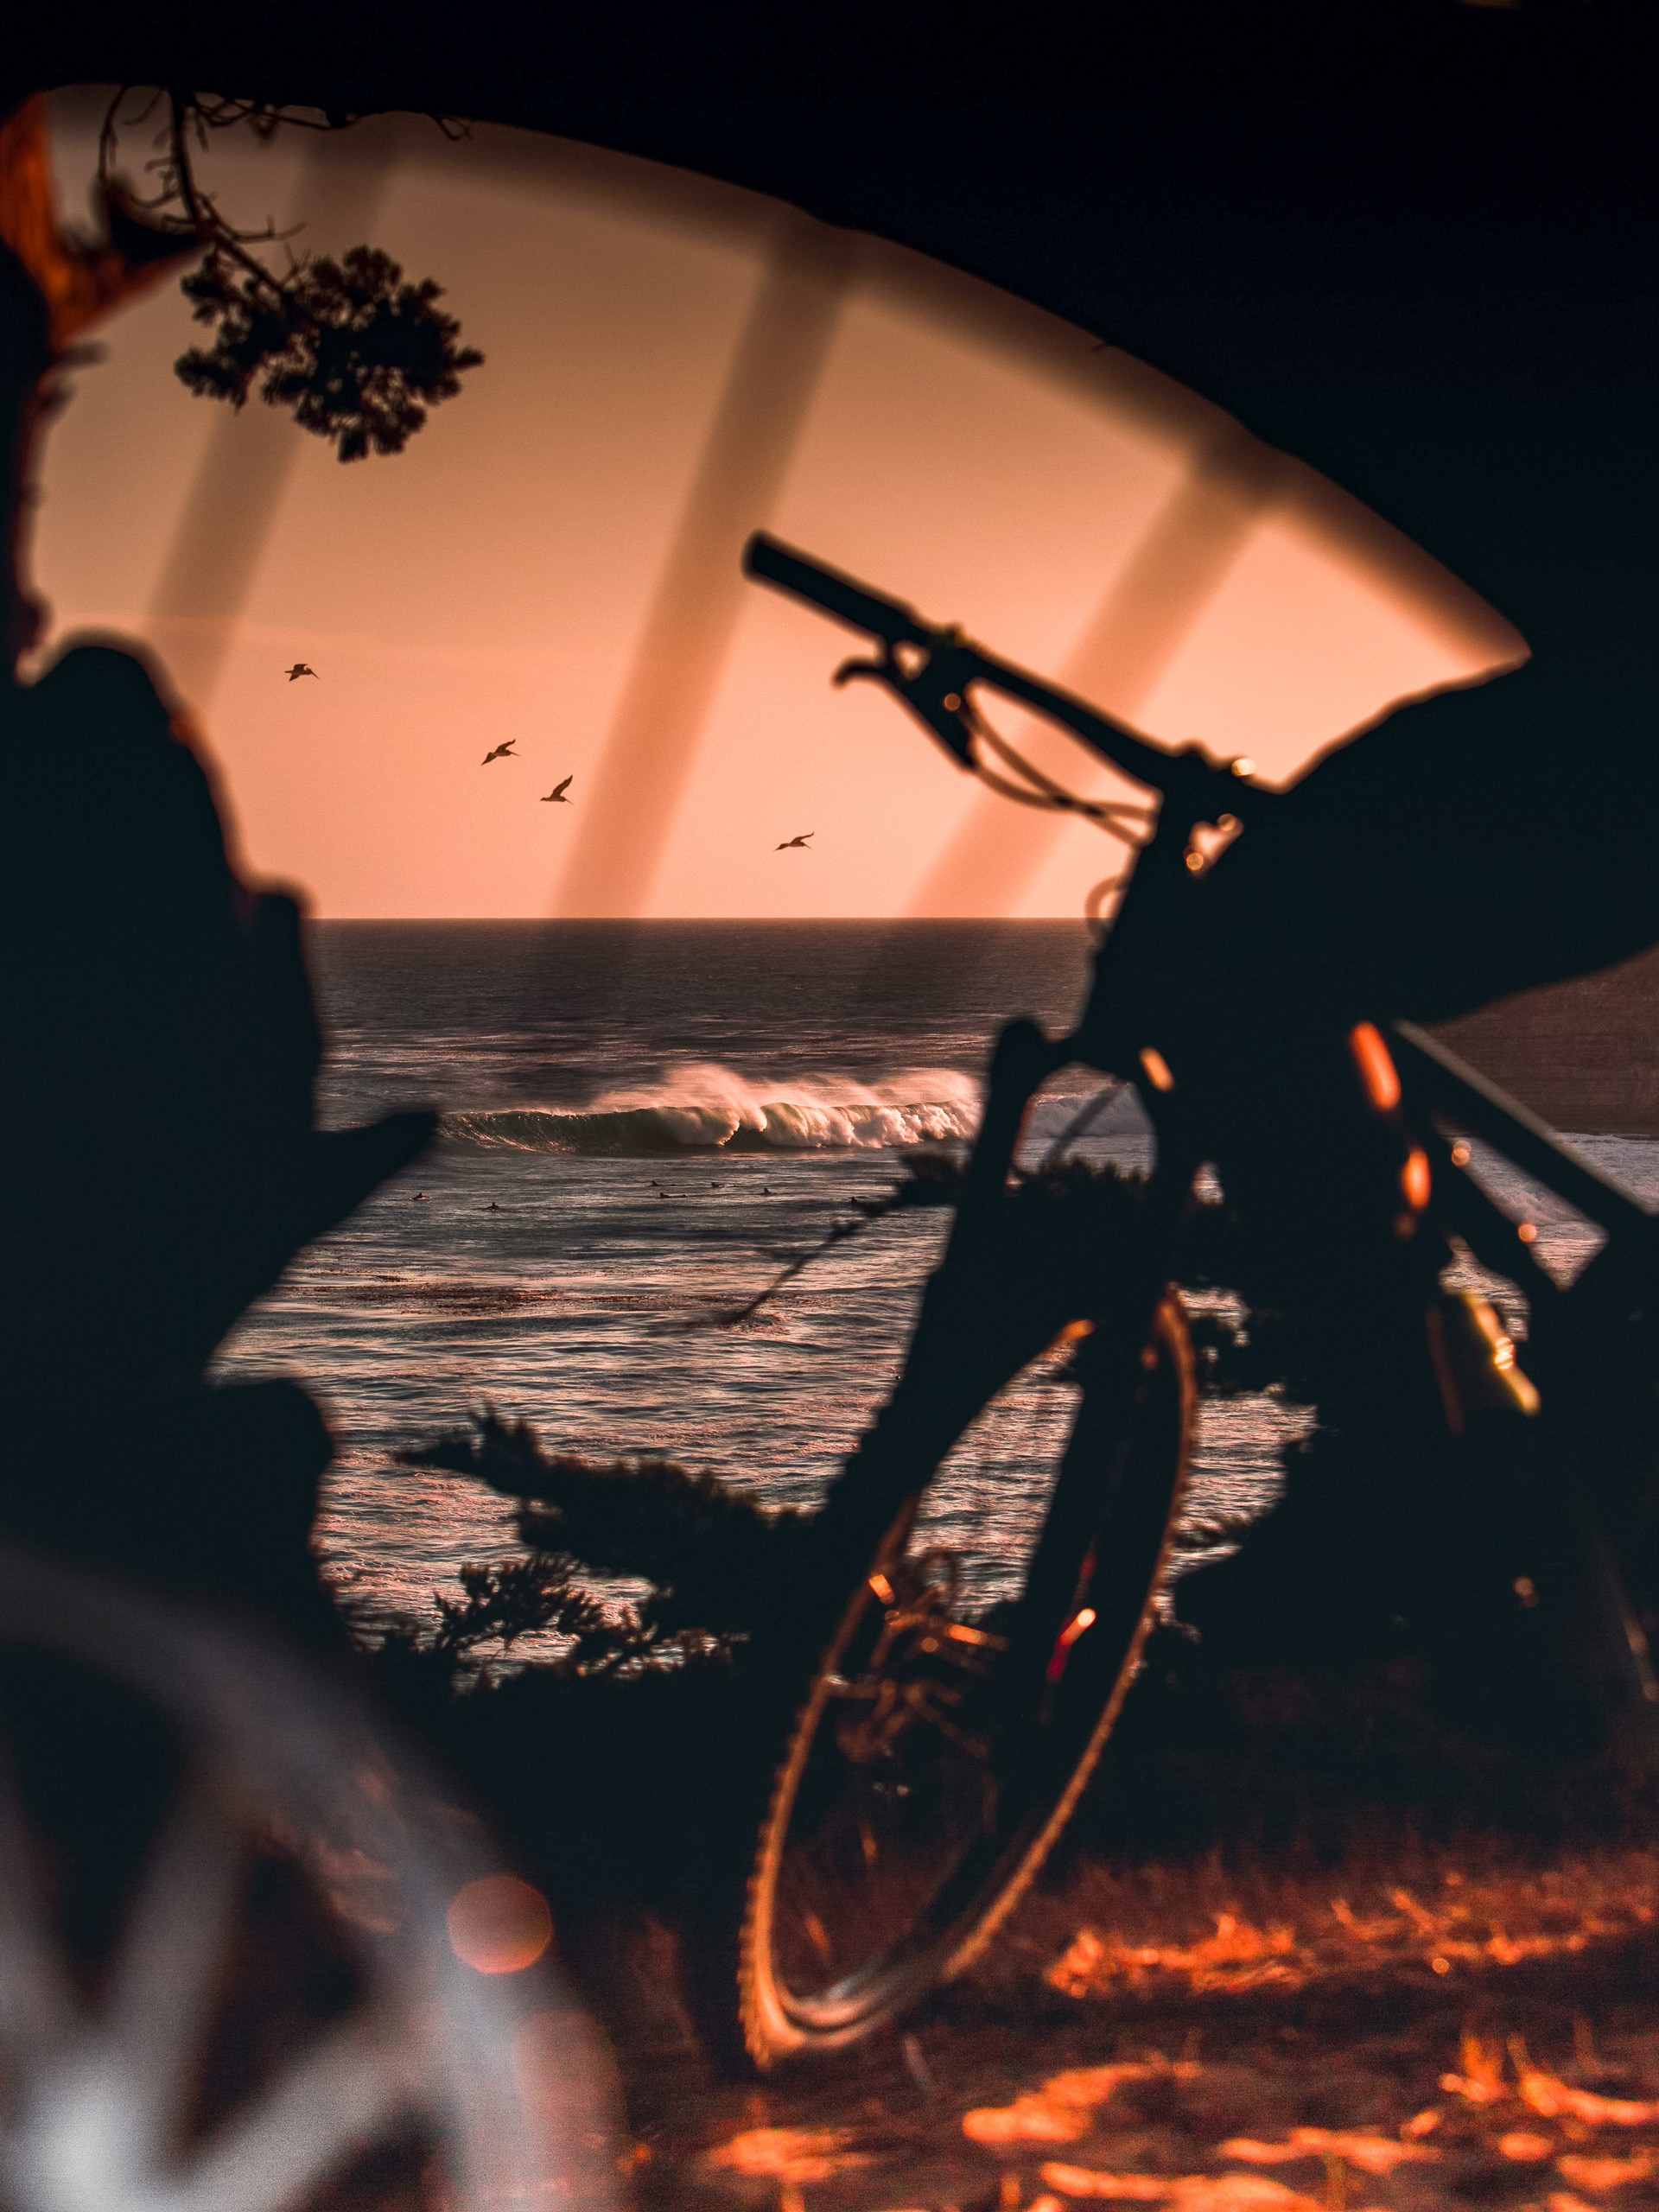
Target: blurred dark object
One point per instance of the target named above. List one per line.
(161, 1165)
(1457, 853)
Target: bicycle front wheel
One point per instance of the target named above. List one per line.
(960, 1705)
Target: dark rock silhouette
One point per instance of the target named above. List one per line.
(163, 1045)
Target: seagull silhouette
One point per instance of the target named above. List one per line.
(500, 753)
(790, 843)
(299, 669)
(557, 793)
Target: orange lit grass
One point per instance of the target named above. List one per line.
(1064, 2109)
(1483, 2081)
(788, 2154)
(1498, 2102)
(1587, 2136)
(1498, 2098)
(1460, 1925)
(1205, 2192)
(1372, 2154)
(1187, 2192)
(1237, 1956)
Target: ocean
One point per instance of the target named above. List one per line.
(642, 1122)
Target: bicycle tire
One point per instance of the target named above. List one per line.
(952, 1755)
(272, 2015)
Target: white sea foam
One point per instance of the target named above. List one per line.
(699, 1105)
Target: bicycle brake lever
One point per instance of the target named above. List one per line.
(930, 695)
(851, 671)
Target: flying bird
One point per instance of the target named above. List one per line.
(790, 843)
(500, 753)
(299, 669)
(557, 793)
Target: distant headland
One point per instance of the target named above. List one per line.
(1583, 1054)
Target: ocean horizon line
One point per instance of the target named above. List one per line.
(721, 921)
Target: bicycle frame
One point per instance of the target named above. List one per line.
(1138, 1028)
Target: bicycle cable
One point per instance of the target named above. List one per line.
(1045, 791)
(1109, 816)
(728, 1317)
(870, 1211)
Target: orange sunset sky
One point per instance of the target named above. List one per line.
(669, 363)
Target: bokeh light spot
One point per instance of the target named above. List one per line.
(499, 1925)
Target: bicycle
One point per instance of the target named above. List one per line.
(257, 1955)
(993, 1552)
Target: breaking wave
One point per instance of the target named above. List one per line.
(701, 1107)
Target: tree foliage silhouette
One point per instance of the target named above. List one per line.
(357, 354)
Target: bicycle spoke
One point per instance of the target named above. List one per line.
(177, 1931)
(37, 2003)
(343, 2096)
(915, 1788)
(179, 2033)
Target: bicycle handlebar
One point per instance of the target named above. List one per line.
(935, 690)
(774, 563)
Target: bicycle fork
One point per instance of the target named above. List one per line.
(972, 1316)
(1117, 1359)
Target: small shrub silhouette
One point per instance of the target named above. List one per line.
(718, 1561)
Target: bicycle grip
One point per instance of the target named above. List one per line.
(774, 563)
